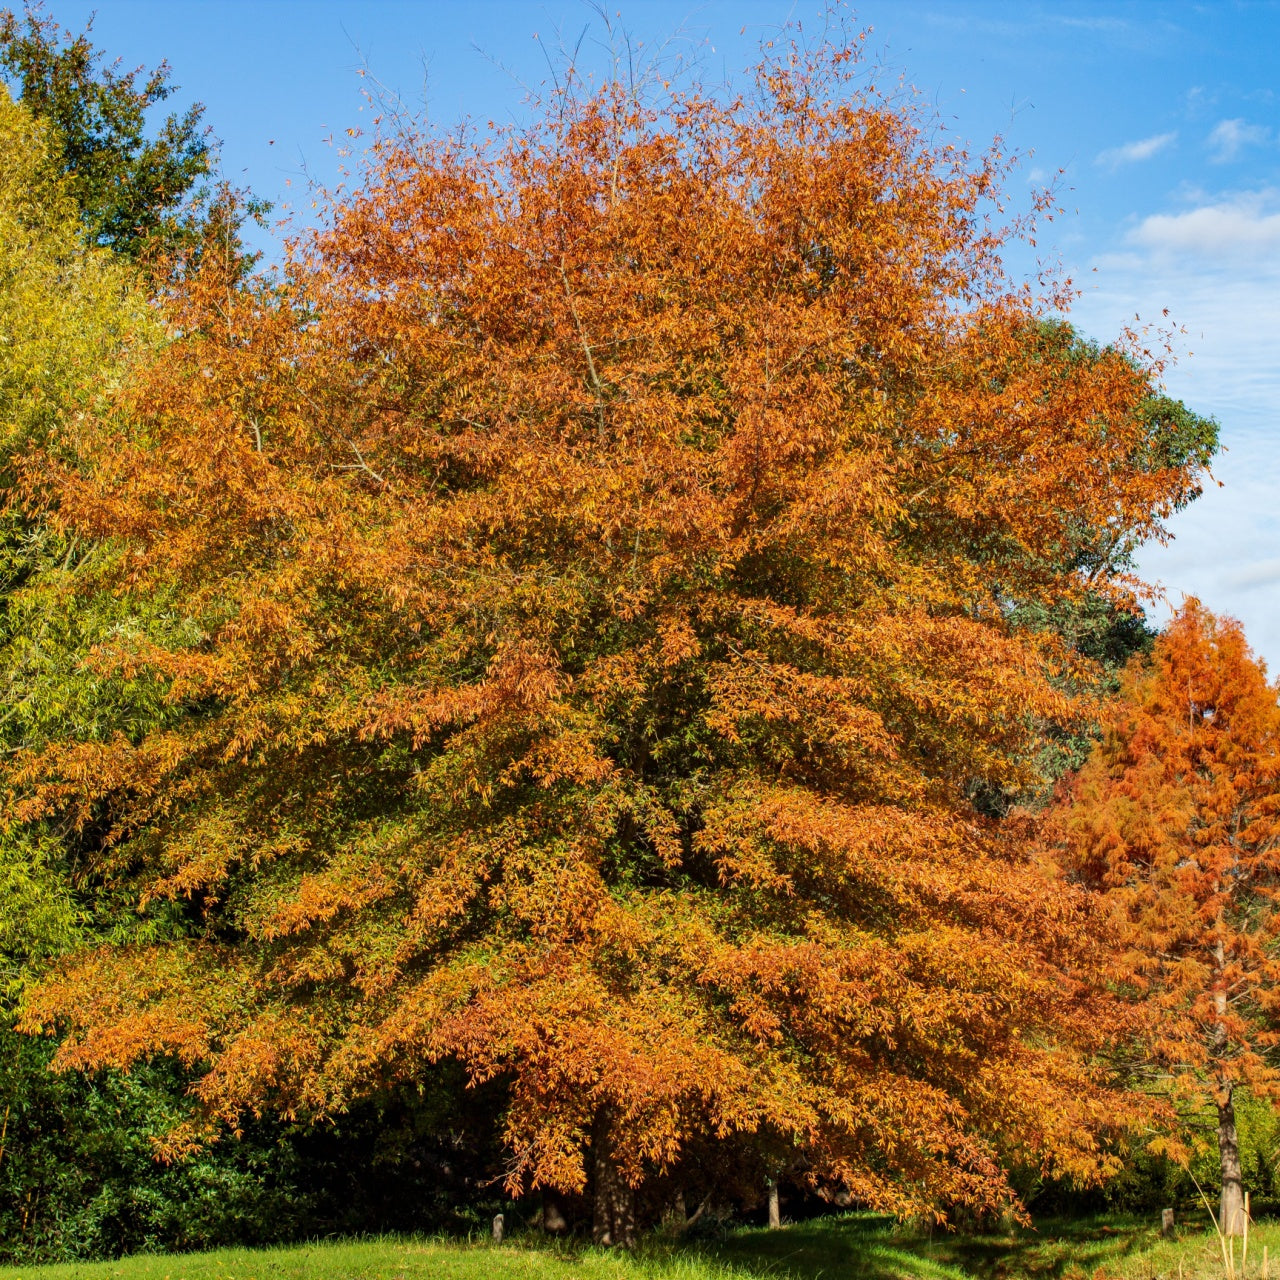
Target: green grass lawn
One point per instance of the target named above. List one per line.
(852, 1247)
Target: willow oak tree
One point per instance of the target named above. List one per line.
(1176, 820)
(600, 541)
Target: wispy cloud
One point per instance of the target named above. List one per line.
(1096, 23)
(1132, 152)
(1147, 36)
(1242, 225)
(1230, 137)
(1263, 574)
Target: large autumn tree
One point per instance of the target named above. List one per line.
(600, 556)
(1175, 819)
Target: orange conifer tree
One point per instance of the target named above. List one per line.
(1176, 819)
(601, 544)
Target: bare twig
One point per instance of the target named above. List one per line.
(597, 386)
(358, 465)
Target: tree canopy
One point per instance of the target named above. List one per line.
(595, 569)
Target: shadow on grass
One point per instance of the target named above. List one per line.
(872, 1247)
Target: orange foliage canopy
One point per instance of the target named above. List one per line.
(603, 540)
(1176, 818)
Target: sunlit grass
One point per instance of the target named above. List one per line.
(852, 1247)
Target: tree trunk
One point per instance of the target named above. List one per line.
(775, 1207)
(1231, 1207)
(614, 1222)
(679, 1210)
(1231, 1213)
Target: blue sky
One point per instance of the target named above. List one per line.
(1163, 117)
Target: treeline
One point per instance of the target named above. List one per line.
(611, 679)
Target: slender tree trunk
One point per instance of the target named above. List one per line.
(1231, 1213)
(1231, 1206)
(775, 1207)
(614, 1221)
(679, 1210)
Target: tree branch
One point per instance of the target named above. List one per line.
(597, 386)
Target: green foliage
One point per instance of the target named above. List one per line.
(1258, 1132)
(50, 679)
(70, 321)
(1171, 438)
(77, 1174)
(38, 918)
(1093, 627)
(1174, 437)
(79, 1178)
(1149, 1181)
(130, 185)
(1178, 436)
(1102, 633)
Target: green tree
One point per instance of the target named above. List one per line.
(132, 185)
(78, 1174)
(71, 316)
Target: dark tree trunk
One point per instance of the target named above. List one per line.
(775, 1206)
(614, 1223)
(1231, 1213)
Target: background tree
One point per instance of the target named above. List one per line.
(133, 186)
(596, 561)
(78, 1176)
(71, 321)
(1175, 819)
(1104, 628)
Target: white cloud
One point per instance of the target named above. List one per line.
(1210, 266)
(1243, 225)
(1132, 152)
(1224, 546)
(1230, 137)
